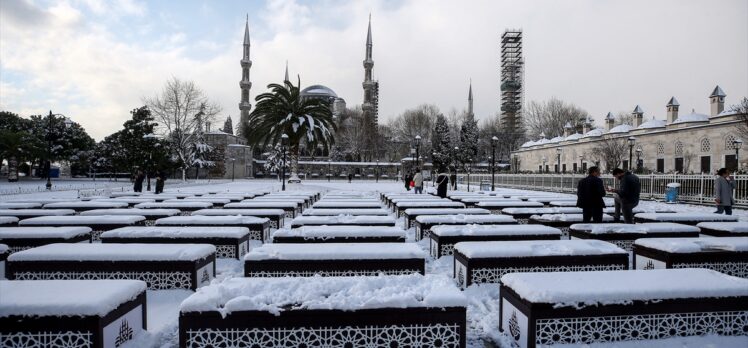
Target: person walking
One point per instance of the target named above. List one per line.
(724, 184)
(590, 193)
(160, 178)
(418, 182)
(138, 186)
(442, 182)
(407, 179)
(627, 196)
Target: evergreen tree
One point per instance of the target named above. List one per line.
(441, 144)
(228, 127)
(468, 141)
(200, 151)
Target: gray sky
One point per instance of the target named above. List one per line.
(94, 60)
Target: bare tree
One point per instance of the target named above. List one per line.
(175, 109)
(412, 122)
(742, 113)
(623, 117)
(551, 116)
(609, 150)
(688, 157)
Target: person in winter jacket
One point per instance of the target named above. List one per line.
(408, 178)
(724, 184)
(418, 182)
(627, 195)
(138, 186)
(590, 193)
(442, 182)
(160, 178)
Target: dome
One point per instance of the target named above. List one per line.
(652, 124)
(557, 139)
(575, 136)
(318, 91)
(594, 133)
(621, 128)
(692, 117)
(528, 144)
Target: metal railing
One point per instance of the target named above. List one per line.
(695, 188)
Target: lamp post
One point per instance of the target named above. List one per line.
(418, 146)
(233, 163)
(737, 144)
(377, 170)
(581, 164)
(545, 168)
(284, 144)
(457, 149)
(494, 141)
(558, 160)
(632, 142)
(638, 160)
(329, 169)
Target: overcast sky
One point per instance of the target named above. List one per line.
(94, 60)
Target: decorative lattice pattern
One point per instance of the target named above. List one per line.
(736, 269)
(341, 273)
(362, 336)
(96, 235)
(274, 224)
(446, 249)
(255, 234)
(678, 147)
(226, 251)
(706, 146)
(522, 221)
(660, 148)
(150, 222)
(730, 142)
(65, 339)
(15, 249)
(493, 275)
(638, 327)
(627, 245)
(289, 214)
(155, 280)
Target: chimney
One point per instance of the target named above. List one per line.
(586, 126)
(609, 121)
(567, 129)
(672, 110)
(638, 116)
(717, 101)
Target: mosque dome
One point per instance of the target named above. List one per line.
(318, 91)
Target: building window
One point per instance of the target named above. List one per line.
(706, 146)
(679, 164)
(660, 165)
(660, 148)
(678, 148)
(729, 142)
(706, 164)
(731, 163)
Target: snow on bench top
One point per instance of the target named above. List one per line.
(493, 230)
(535, 248)
(732, 227)
(85, 204)
(551, 210)
(445, 211)
(115, 252)
(82, 220)
(131, 211)
(176, 232)
(340, 231)
(4, 249)
(565, 217)
(334, 212)
(276, 295)
(41, 201)
(129, 200)
(643, 228)
(695, 245)
(347, 204)
(342, 219)
(297, 200)
(336, 251)
(690, 216)
(57, 298)
(427, 204)
(578, 289)
(176, 205)
(563, 203)
(482, 199)
(260, 204)
(418, 199)
(211, 220)
(5, 220)
(201, 199)
(640, 209)
(499, 204)
(240, 212)
(42, 232)
(36, 212)
(464, 219)
(19, 205)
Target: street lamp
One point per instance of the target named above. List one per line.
(233, 162)
(581, 164)
(50, 120)
(494, 141)
(638, 160)
(558, 160)
(377, 170)
(632, 142)
(284, 144)
(457, 149)
(737, 144)
(329, 168)
(545, 168)
(418, 146)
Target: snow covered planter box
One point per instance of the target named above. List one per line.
(301, 203)
(289, 208)
(335, 212)
(334, 260)
(217, 202)
(344, 220)
(162, 266)
(19, 205)
(185, 207)
(4, 252)
(402, 206)
(496, 206)
(230, 242)
(22, 238)
(728, 255)
(384, 311)
(486, 262)
(724, 229)
(541, 309)
(347, 205)
(443, 238)
(561, 221)
(684, 218)
(424, 223)
(98, 224)
(151, 215)
(276, 216)
(413, 213)
(624, 235)
(22, 214)
(71, 313)
(522, 215)
(259, 228)
(80, 206)
(6, 221)
(340, 234)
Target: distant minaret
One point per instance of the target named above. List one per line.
(470, 100)
(285, 79)
(245, 84)
(371, 87)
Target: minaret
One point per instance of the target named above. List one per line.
(470, 100)
(245, 84)
(285, 79)
(371, 87)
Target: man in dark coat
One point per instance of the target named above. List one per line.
(160, 178)
(590, 193)
(442, 182)
(408, 178)
(628, 195)
(138, 186)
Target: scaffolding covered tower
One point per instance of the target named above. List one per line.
(512, 78)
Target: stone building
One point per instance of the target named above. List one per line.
(230, 154)
(690, 143)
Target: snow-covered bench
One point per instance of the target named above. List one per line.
(290, 208)
(690, 218)
(334, 260)
(19, 205)
(411, 214)
(582, 308)
(230, 242)
(259, 228)
(346, 205)
(8, 221)
(724, 229)
(185, 207)
(80, 206)
(162, 266)
(496, 206)
(387, 311)
(151, 215)
(4, 252)
(22, 214)
(728, 255)
(394, 199)
(157, 198)
(473, 201)
(442, 239)
(71, 313)
(22, 238)
(301, 202)
(344, 220)
(98, 224)
(522, 215)
(131, 201)
(561, 221)
(424, 223)
(335, 212)
(486, 262)
(639, 209)
(217, 202)
(624, 235)
(400, 207)
(340, 234)
(276, 216)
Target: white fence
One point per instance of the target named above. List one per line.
(693, 188)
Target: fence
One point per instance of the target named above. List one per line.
(697, 188)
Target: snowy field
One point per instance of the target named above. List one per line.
(483, 306)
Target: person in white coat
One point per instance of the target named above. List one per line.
(418, 182)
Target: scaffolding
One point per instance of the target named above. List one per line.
(512, 78)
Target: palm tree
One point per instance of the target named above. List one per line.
(282, 110)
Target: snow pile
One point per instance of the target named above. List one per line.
(36, 212)
(176, 232)
(536, 211)
(565, 217)
(131, 211)
(57, 298)
(82, 220)
(19, 205)
(198, 220)
(535, 248)
(464, 219)
(695, 245)
(7, 220)
(175, 205)
(239, 212)
(276, 295)
(115, 252)
(647, 227)
(499, 204)
(42, 232)
(4, 248)
(342, 220)
(87, 204)
(732, 227)
(334, 212)
(340, 231)
(493, 230)
(445, 211)
(579, 289)
(336, 251)
(708, 217)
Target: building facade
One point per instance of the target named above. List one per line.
(231, 156)
(691, 143)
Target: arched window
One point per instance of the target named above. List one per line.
(729, 142)
(678, 148)
(660, 148)
(706, 146)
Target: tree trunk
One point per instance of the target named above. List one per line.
(294, 154)
(184, 174)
